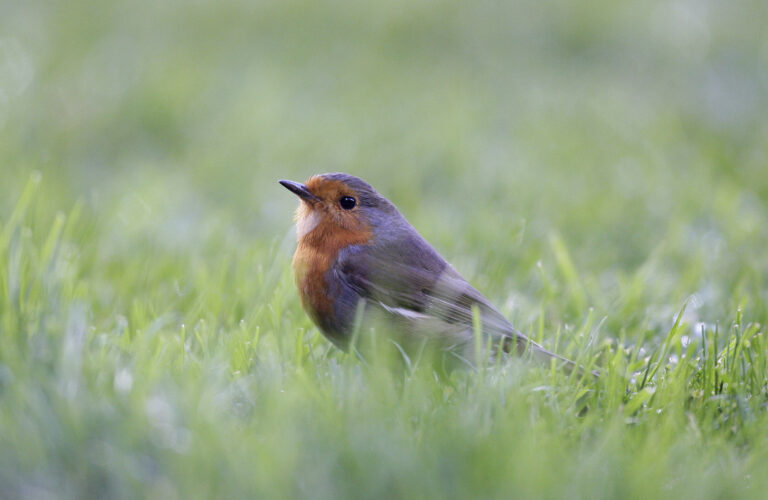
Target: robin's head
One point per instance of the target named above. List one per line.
(339, 200)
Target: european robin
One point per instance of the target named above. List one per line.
(358, 256)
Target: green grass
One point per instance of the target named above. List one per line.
(597, 169)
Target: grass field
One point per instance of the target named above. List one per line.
(598, 169)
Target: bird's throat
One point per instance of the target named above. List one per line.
(306, 220)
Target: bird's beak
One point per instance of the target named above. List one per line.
(299, 190)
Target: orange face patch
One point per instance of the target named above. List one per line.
(310, 214)
(328, 189)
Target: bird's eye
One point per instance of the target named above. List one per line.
(347, 202)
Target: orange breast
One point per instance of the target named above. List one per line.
(315, 254)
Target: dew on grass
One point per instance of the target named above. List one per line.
(123, 380)
(699, 327)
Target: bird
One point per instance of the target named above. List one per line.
(358, 259)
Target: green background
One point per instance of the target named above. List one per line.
(593, 167)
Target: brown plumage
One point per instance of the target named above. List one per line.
(319, 246)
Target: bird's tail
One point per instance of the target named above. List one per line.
(527, 346)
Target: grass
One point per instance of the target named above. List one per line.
(597, 170)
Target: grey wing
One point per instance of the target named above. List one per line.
(417, 291)
(423, 296)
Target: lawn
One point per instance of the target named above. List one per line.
(599, 170)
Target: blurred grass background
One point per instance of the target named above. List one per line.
(589, 166)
